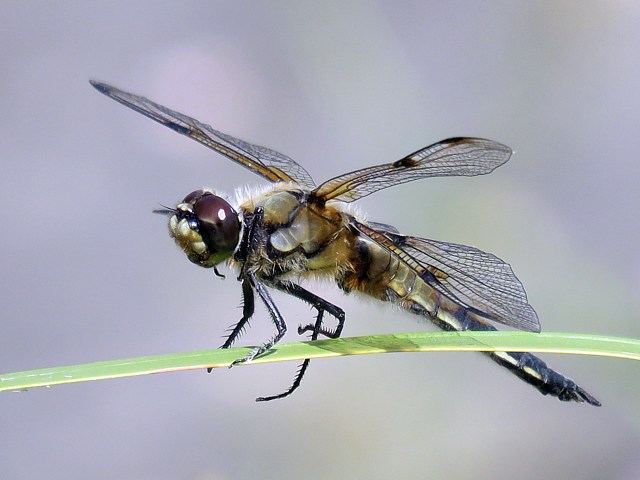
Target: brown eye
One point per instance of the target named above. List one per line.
(194, 196)
(218, 223)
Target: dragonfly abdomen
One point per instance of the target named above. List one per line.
(524, 365)
(390, 280)
(534, 371)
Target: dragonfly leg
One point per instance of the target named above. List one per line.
(303, 367)
(317, 328)
(250, 283)
(319, 303)
(275, 315)
(248, 307)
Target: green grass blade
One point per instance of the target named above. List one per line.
(409, 342)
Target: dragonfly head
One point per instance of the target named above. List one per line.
(205, 227)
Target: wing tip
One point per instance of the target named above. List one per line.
(531, 318)
(506, 151)
(100, 86)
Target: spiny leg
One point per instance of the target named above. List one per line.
(247, 251)
(248, 307)
(250, 282)
(275, 315)
(316, 328)
(310, 327)
(319, 303)
(303, 367)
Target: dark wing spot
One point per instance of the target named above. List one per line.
(405, 162)
(454, 140)
(397, 239)
(178, 128)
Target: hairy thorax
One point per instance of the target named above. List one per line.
(299, 237)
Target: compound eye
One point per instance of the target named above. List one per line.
(218, 223)
(194, 196)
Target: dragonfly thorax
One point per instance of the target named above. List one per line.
(205, 227)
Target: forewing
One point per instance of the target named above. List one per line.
(460, 156)
(269, 164)
(468, 276)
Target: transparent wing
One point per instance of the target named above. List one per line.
(468, 276)
(267, 163)
(460, 156)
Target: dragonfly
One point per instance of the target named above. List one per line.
(293, 230)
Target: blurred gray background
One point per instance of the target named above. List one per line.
(89, 274)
